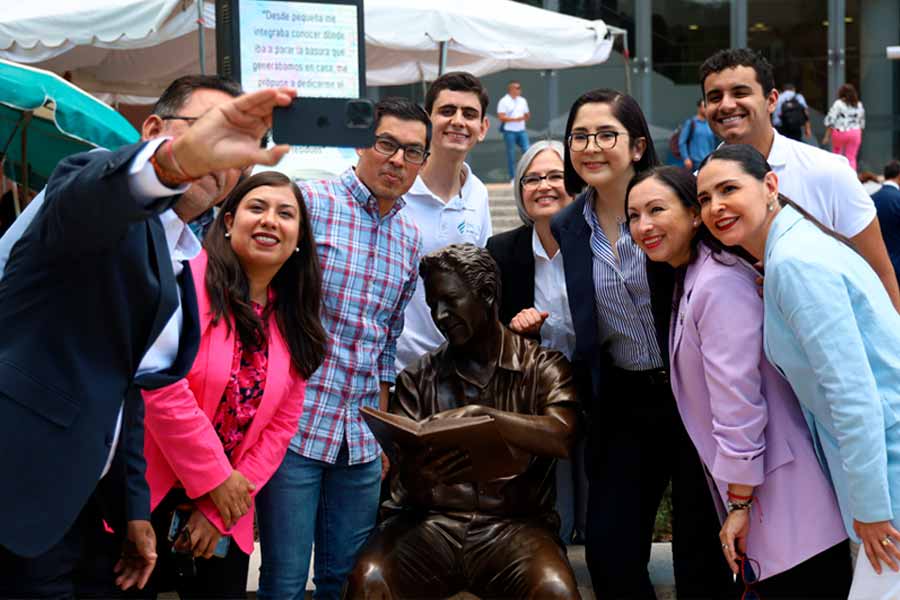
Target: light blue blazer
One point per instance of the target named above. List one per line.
(832, 330)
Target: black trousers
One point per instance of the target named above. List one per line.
(825, 576)
(637, 445)
(192, 578)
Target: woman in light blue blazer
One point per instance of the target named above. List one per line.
(831, 329)
(775, 502)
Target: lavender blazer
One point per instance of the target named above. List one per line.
(743, 417)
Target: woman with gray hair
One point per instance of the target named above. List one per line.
(533, 300)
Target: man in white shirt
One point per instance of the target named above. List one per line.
(739, 92)
(447, 202)
(93, 308)
(513, 112)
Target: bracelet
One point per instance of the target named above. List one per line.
(745, 505)
(732, 496)
(168, 177)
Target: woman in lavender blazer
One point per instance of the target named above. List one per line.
(776, 504)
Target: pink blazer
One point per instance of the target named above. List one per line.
(744, 419)
(181, 443)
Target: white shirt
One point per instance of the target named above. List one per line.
(182, 244)
(465, 218)
(823, 183)
(558, 331)
(513, 107)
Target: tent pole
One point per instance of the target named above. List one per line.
(442, 67)
(200, 37)
(26, 119)
(625, 56)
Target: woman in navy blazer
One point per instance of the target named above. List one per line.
(740, 413)
(636, 442)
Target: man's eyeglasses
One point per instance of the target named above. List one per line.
(605, 140)
(414, 154)
(532, 181)
(750, 576)
(190, 120)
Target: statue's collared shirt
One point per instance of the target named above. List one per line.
(528, 379)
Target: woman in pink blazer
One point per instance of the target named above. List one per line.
(215, 437)
(776, 504)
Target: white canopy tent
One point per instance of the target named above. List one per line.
(129, 50)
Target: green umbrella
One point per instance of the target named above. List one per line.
(44, 118)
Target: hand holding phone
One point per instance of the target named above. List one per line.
(192, 533)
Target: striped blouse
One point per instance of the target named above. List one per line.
(622, 298)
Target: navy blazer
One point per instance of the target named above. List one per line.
(591, 361)
(86, 291)
(514, 255)
(887, 204)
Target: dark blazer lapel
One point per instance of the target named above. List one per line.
(525, 254)
(575, 242)
(661, 278)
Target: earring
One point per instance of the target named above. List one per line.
(696, 222)
(771, 207)
(228, 234)
(297, 249)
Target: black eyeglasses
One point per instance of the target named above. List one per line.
(178, 118)
(605, 140)
(533, 181)
(750, 577)
(414, 154)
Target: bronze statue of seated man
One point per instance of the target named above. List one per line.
(443, 532)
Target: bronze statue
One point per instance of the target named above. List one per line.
(444, 532)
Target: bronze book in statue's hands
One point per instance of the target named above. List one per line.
(479, 436)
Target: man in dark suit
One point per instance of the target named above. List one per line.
(95, 303)
(887, 205)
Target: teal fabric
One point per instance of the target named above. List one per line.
(832, 330)
(67, 120)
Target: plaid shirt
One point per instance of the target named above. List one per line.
(369, 269)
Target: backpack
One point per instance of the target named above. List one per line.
(793, 115)
(673, 139)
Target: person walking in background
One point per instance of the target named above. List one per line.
(513, 112)
(833, 332)
(636, 442)
(844, 124)
(887, 203)
(215, 437)
(791, 116)
(696, 139)
(327, 488)
(447, 202)
(740, 413)
(534, 301)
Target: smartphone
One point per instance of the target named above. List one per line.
(348, 123)
(180, 519)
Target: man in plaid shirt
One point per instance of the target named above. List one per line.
(327, 488)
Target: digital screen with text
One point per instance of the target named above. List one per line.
(304, 45)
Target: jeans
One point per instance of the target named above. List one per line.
(308, 500)
(513, 139)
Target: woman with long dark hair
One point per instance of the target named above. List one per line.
(215, 437)
(831, 329)
(740, 413)
(636, 442)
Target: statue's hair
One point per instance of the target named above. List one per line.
(474, 265)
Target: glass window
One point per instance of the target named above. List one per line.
(687, 32)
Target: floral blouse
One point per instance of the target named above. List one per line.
(844, 117)
(245, 387)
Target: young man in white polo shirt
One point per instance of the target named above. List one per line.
(740, 96)
(447, 202)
